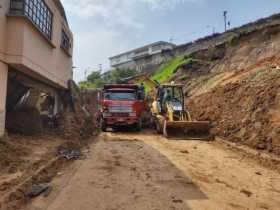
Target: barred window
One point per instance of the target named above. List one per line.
(37, 11)
(65, 41)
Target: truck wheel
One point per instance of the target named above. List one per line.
(103, 126)
(139, 125)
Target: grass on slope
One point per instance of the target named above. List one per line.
(167, 70)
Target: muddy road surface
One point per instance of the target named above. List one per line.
(130, 171)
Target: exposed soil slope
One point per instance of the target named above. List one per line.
(245, 111)
(236, 85)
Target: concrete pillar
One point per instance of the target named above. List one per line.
(57, 104)
(3, 95)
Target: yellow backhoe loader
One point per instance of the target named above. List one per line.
(171, 117)
(169, 113)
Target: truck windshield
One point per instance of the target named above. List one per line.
(120, 96)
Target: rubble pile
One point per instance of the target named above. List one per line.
(11, 156)
(77, 121)
(25, 121)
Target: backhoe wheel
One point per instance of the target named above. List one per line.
(158, 127)
(164, 129)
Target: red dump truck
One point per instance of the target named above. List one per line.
(122, 105)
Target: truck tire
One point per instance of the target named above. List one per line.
(139, 125)
(103, 126)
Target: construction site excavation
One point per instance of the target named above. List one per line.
(168, 126)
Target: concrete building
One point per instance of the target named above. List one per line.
(143, 57)
(35, 47)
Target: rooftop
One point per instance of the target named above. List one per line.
(140, 48)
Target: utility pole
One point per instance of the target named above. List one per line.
(73, 68)
(225, 19)
(85, 73)
(100, 67)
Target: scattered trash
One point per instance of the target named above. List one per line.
(47, 192)
(69, 154)
(184, 151)
(177, 201)
(38, 189)
(59, 173)
(258, 173)
(246, 192)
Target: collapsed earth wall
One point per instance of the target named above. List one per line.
(236, 85)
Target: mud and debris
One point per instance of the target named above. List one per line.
(38, 189)
(11, 156)
(132, 170)
(69, 154)
(26, 121)
(234, 85)
(244, 111)
(30, 165)
(79, 118)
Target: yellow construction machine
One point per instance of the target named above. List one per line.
(170, 115)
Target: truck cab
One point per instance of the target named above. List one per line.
(122, 105)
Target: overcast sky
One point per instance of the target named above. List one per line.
(104, 28)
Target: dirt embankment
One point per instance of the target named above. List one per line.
(79, 120)
(29, 161)
(11, 156)
(244, 111)
(35, 156)
(236, 87)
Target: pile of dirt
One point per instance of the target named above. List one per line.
(76, 124)
(25, 121)
(245, 111)
(90, 98)
(11, 156)
(78, 120)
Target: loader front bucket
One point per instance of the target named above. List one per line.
(194, 130)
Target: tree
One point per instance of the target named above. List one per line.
(96, 79)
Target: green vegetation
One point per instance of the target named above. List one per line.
(96, 79)
(167, 70)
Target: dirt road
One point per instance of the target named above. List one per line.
(145, 171)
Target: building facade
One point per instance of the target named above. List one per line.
(143, 57)
(36, 44)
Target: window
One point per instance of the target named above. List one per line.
(122, 96)
(65, 41)
(156, 48)
(37, 12)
